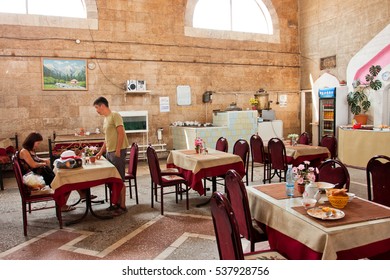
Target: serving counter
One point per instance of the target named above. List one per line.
(357, 146)
(232, 125)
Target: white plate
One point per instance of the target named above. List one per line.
(324, 185)
(320, 214)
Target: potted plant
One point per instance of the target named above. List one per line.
(358, 98)
(254, 102)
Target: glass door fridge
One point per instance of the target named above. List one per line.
(333, 110)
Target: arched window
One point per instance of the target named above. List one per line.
(232, 19)
(53, 13)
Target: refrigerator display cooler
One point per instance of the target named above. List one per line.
(333, 110)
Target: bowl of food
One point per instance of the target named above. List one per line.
(308, 202)
(325, 185)
(337, 197)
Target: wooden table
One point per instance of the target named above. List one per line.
(362, 233)
(89, 175)
(195, 166)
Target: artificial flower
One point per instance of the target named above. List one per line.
(304, 174)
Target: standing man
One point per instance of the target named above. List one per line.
(115, 145)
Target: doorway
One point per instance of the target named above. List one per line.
(307, 112)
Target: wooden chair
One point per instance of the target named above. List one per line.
(237, 195)
(241, 148)
(335, 172)
(131, 173)
(227, 233)
(222, 145)
(304, 138)
(330, 142)
(258, 155)
(378, 183)
(158, 180)
(277, 158)
(29, 197)
(6, 155)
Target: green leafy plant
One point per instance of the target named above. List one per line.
(358, 99)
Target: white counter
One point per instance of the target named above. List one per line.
(270, 129)
(232, 125)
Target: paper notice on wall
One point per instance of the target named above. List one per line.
(283, 100)
(164, 104)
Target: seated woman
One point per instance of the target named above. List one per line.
(29, 161)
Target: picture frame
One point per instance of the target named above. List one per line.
(64, 74)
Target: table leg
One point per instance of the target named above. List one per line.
(214, 188)
(88, 208)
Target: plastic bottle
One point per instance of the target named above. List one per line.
(289, 181)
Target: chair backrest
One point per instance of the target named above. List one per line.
(23, 189)
(330, 142)
(225, 228)
(257, 149)
(304, 138)
(335, 172)
(238, 197)
(241, 148)
(133, 160)
(277, 154)
(154, 165)
(222, 145)
(378, 183)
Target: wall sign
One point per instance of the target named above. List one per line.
(183, 95)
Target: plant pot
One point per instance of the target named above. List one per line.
(361, 118)
(92, 159)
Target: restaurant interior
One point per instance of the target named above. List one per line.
(215, 116)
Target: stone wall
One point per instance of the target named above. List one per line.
(337, 28)
(143, 40)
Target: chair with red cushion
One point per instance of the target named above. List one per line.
(160, 181)
(278, 159)
(237, 195)
(241, 148)
(330, 142)
(227, 233)
(28, 197)
(304, 138)
(223, 146)
(335, 172)
(258, 155)
(131, 173)
(6, 155)
(378, 183)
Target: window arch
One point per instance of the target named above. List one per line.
(53, 13)
(232, 19)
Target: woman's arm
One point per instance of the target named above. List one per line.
(26, 156)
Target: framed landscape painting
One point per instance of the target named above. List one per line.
(64, 74)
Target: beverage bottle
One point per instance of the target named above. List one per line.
(289, 181)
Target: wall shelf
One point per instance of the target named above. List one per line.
(137, 92)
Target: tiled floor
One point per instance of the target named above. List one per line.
(141, 233)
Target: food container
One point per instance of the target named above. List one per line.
(338, 201)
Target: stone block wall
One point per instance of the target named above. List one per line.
(143, 40)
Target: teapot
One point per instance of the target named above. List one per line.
(311, 191)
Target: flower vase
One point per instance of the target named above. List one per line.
(197, 149)
(92, 159)
(300, 188)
